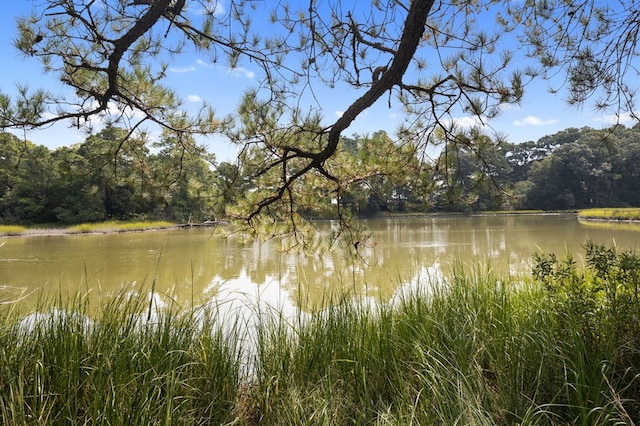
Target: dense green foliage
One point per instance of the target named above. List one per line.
(600, 309)
(572, 169)
(476, 349)
(110, 176)
(586, 168)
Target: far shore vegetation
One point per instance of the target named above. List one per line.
(114, 226)
(119, 226)
(12, 230)
(87, 228)
(569, 171)
(559, 346)
(613, 214)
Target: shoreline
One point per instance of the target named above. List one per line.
(106, 230)
(614, 215)
(609, 220)
(121, 228)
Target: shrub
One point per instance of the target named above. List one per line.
(599, 306)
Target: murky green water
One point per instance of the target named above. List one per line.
(192, 266)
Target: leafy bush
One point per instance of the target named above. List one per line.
(599, 305)
(601, 300)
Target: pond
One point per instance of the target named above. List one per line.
(193, 266)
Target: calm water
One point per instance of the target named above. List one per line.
(192, 266)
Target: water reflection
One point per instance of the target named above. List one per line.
(192, 267)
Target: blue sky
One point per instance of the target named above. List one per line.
(195, 79)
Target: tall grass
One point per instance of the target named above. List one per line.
(466, 353)
(61, 368)
(477, 349)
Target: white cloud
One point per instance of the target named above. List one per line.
(611, 119)
(532, 120)
(204, 63)
(194, 98)
(338, 113)
(235, 72)
(509, 107)
(467, 122)
(190, 68)
(241, 72)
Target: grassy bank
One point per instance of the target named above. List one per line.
(558, 349)
(86, 228)
(631, 214)
(118, 226)
(12, 230)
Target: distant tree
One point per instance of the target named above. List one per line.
(547, 188)
(629, 170)
(77, 188)
(473, 173)
(101, 179)
(522, 155)
(12, 149)
(181, 179)
(27, 177)
(118, 162)
(599, 169)
(438, 60)
(231, 185)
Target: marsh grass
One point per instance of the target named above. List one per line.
(610, 214)
(11, 230)
(86, 228)
(116, 368)
(118, 226)
(477, 349)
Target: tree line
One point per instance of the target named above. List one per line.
(115, 175)
(575, 168)
(571, 169)
(108, 176)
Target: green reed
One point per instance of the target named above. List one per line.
(116, 368)
(476, 349)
